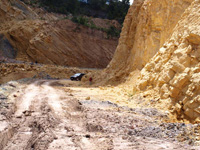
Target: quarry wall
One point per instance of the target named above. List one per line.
(148, 24)
(162, 39)
(49, 39)
(174, 71)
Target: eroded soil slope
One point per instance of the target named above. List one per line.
(37, 36)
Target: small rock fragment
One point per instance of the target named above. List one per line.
(87, 98)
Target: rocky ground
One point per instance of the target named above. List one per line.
(15, 70)
(55, 115)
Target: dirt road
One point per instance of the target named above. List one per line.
(45, 117)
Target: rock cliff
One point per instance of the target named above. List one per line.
(49, 39)
(174, 71)
(148, 24)
(162, 40)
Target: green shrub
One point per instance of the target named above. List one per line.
(112, 32)
(33, 2)
(92, 25)
(81, 20)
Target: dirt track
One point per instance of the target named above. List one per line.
(44, 117)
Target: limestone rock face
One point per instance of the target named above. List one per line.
(162, 39)
(148, 24)
(52, 40)
(175, 70)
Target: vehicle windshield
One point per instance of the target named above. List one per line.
(77, 74)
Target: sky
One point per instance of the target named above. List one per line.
(131, 1)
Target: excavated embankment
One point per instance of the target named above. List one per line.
(174, 71)
(27, 35)
(148, 24)
(161, 39)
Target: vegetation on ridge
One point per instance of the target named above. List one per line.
(112, 31)
(116, 9)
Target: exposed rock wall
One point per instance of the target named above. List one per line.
(55, 41)
(6, 49)
(14, 10)
(162, 39)
(148, 24)
(174, 72)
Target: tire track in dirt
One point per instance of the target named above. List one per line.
(33, 119)
(48, 118)
(40, 119)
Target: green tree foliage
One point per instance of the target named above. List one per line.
(112, 32)
(97, 4)
(96, 8)
(81, 20)
(118, 10)
(61, 6)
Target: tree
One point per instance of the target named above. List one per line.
(97, 4)
(97, 8)
(61, 6)
(72, 6)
